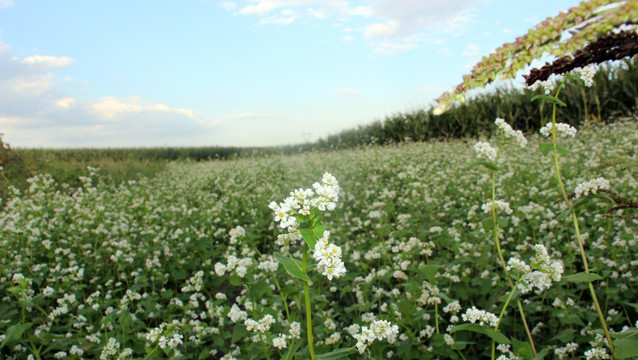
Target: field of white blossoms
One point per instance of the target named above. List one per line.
(182, 265)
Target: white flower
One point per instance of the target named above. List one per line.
(547, 85)
(279, 342)
(499, 205)
(562, 129)
(378, 330)
(485, 150)
(592, 186)
(596, 354)
(236, 314)
(262, 326)
(587, 74)
(328, 258)
(510, 133)
(483, 317)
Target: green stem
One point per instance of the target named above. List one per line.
(436, 316)
(306, 292)
(561, 186)
(504, 264)
(263, 346)
(152, 352)
(500, 316)
(283, 298)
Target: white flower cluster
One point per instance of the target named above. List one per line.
(236, 233)
(509, 132)
(236, 314)
(596, 354)
(262, 326)
(499, 205)
(591, 186)
(378, 330)
(541, 279)
(110, 349)
(483, 317)
(547, 85)
(279, 341)
(302, 201)
(563, 352)
(239, 265)
(562, 129)
(587, 74)
(166, 335)
(328, 258)
(485, 150)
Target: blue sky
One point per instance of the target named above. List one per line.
(140, 73)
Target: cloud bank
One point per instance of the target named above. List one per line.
(34, 111)
(387, 25)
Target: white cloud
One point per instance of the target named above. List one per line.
(48, 62)
(110, 107)
(34, 111)
(228, 5)
(66, 102)
(6, 3)
(471, 50)
(389, 47)
(391, 24)
(347, 93)
(316, 13)
(286, 17)
(347, 38)
(381, 30)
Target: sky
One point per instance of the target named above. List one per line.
(155, 73)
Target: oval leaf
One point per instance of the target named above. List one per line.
(337, 354)
(548, 98)
(546, 148)
(493, 334)
(292, 267)
(309, 237)
(582, 277)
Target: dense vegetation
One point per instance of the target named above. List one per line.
(613, 95)
(177, 263)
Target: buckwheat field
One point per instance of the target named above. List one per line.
(439, 250)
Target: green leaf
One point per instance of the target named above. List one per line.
(548, 98)
(15, 332)
(429, 271)
(493, 334)
(337, 354)
(562, 150)
(488, 224)
(522, 348)
(582, 277)
(293, 267)
(546, 148)
(291, 351)
(239, 331)
(488, 165)
(318, 229)
(627, 347)
(259, 289)
(541, 354)
(309, 237)
(234, 280)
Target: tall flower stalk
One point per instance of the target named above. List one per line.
(495, 207)
(300, 215)
(555, 129)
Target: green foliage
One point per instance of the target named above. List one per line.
(613, 95)
(586, 23)
(126, 257)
